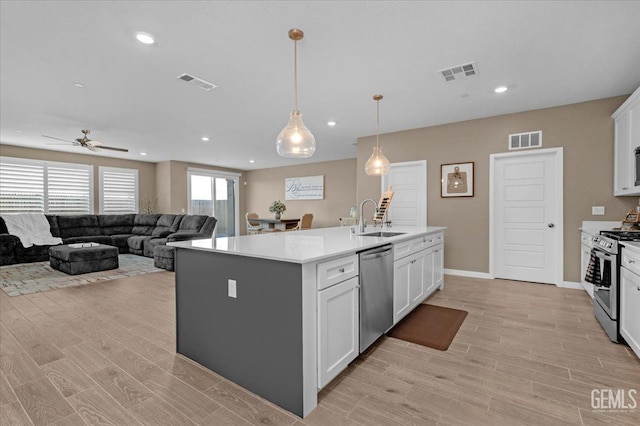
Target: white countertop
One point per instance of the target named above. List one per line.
(303, 246)
(593, 227)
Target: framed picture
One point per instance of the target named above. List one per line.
(456, 180)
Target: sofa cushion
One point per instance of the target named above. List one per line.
(112, 224)
(79, 226)
(150, 245)
(167, 224)
(120, 241)
(53, 224)
(31, 254)
(144, 224)
(192, 222)
(100, 239)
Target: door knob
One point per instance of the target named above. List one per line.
(551, 225)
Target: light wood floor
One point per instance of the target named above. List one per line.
(103, 354)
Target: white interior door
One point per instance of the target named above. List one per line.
(527, 216)
(409, 204)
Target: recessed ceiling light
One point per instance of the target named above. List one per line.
(145, 38)
(143, 153)
(501, 89)
(18, 131)
(79, 85)
(205, 139)
(331, 123)
(252, 161)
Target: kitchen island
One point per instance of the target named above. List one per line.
(278, 313)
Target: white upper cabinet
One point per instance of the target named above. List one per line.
(627, 139)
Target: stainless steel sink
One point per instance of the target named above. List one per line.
(382, 234)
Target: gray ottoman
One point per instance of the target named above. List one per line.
(82, 260)
(163, 257)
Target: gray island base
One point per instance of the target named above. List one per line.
(254, 339)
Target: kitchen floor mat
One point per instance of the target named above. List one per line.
(430, 325)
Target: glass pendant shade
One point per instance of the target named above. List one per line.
(295, 140)
(377, 164)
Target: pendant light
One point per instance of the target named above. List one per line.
(377, 164)
(295, 140)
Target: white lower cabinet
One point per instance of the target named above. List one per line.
(401, 280)
(630, 308)
(415, 277)
(338, 329)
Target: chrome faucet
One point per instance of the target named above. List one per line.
(363, 221)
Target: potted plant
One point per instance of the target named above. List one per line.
(277, 207)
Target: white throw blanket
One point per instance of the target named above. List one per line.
(31, 229)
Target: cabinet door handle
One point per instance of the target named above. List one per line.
(631, 261)
(341, 270)
(625, 187)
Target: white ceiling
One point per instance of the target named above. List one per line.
(547, 53)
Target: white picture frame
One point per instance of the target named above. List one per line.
(304, 188)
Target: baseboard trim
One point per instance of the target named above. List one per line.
(470, 274)
(573, 285)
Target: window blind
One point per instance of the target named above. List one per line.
(21, 187)
(33, 186)
(118, 190)
(69, 190)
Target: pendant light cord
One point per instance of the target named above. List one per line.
(377, 122)
(295, 73)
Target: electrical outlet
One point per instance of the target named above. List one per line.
(233, 290)
(597, 210)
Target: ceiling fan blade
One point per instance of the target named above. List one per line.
(92, 148)
(64, 140)
(61, 143)
(113, 148)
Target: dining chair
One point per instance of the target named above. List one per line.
(253, 225)
(304, 222)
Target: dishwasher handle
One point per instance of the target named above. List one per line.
(376, 254)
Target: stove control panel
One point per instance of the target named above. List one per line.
(605, 243)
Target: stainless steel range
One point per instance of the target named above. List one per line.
(604, 273)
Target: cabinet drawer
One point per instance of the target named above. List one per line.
(432, 240)
(337, 270)
(405, 248)
(631, 260)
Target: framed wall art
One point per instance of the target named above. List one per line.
(456, 180)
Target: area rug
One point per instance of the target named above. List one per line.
(430, 325)
(26, 278)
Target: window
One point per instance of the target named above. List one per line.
(34, 186)
(118, 190)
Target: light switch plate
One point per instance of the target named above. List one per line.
(597, 210)
(233, 290)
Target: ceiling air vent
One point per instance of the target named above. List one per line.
(459, 72)
(525, 140)
(198, 82)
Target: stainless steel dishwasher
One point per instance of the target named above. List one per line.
(376, 294)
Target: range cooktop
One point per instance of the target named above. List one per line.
(622, 235)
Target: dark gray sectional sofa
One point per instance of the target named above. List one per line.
(130, 233)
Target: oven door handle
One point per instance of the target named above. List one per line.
(602, 255)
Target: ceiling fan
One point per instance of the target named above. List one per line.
(85, 142)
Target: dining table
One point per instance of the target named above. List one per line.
(279, 224)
